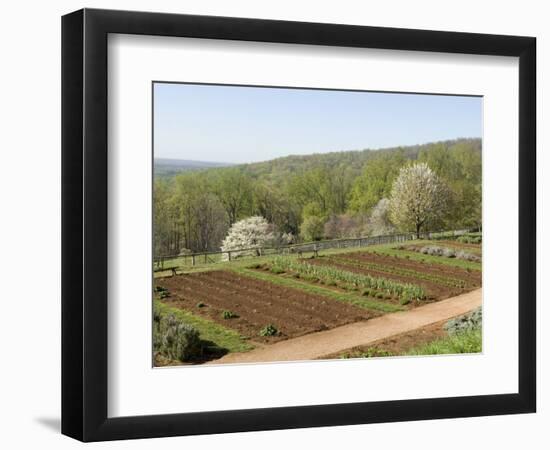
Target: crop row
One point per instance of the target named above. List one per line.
(400, 271)
(332, 276)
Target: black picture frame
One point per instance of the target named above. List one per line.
(84, 224)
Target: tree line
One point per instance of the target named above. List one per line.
(325, 196)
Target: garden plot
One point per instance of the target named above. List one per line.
(473, 248)
(438, 281)
(257, 310)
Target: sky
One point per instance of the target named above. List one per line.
(235, 124)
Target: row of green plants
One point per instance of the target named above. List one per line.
(400, 271)
(470, 238)
(466, 238)
(346, 297)
(405, 292)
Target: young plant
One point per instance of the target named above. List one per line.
(269, 330)
(229, 315)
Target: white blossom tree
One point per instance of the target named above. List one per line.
(418, 199)
(379, 220)
(250, 233)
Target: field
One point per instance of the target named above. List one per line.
(257, 304)
(245, 306)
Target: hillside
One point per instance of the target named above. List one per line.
(310, 197)
(352, 159)
(275, 169)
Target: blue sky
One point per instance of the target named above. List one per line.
(246, 124)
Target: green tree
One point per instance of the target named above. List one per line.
(375, 182)
(234, 189)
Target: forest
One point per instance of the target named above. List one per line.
(313, 197)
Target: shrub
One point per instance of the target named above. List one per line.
(174, 339)
(269, 330)
(448, 253)
(469, 239)
(464, 323)
(229, 315)
(312, 228)
(461, 254)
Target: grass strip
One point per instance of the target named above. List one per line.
(209, 331)
(317, 290)
(466, 342)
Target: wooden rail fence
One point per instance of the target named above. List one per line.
(171, 262)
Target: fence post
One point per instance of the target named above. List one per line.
(193, 258)
(229, 256)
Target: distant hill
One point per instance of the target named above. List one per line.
(165, 167)
(354, 160)
(279, 168)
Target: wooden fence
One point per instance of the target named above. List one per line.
(194, 259)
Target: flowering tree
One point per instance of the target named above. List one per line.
(379, 221)
(250, 233)
(418, 198)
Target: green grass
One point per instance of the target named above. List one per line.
(467, 342)
(209, 331)
(222, 265)
(317, 290)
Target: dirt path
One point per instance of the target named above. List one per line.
(323, 343)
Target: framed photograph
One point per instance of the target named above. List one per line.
(272, 224)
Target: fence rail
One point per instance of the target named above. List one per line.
(174, 261)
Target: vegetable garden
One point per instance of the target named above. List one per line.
(237, 306)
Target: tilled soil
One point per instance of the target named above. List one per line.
(469, 276)
(435, 289)
(398, 344)
(360, 334)
(258, 304)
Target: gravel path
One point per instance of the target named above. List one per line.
(323, 343)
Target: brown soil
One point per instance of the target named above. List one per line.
(257, 304)
(471, 276)
(457, 244)
(359, 334)
(398, 344)
(435, 289)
